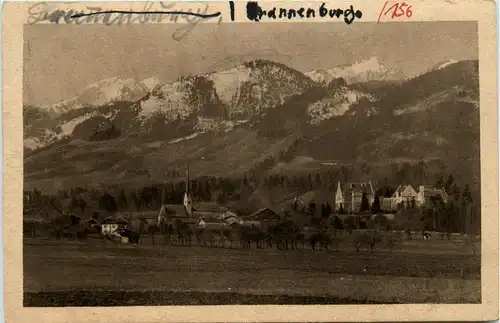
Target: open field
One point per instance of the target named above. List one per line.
(91, 273)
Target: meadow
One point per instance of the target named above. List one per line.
(101, 273)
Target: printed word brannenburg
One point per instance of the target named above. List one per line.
(255, 12)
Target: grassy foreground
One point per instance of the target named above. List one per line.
(92, 273)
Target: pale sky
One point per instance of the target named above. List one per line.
(59, 60)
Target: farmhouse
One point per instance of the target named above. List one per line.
(349, 196)
(211, 224)
(113, 225)
(261, 218)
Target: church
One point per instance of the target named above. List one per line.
(187, 213)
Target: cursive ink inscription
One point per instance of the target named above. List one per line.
(255, 12)
(78, 15)
(192, 21)
(45, 13)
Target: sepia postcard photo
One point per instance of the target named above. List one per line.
(244, 161)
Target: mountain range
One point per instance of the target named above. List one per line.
(363, 71)
(258, 116)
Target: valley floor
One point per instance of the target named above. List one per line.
(98, 273)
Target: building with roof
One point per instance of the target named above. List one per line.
(230, 217)
(172, 211)
(261, 218)
(406, 196)
(426, 193)
(211, 224)
(113, 224)
(348, 197)
(188, 213)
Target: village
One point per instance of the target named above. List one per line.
(354, 206)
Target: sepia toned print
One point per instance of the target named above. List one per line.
(223, 162)
(302, 175)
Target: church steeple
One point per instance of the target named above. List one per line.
(339, 198)
(188, 202)
(188, 181)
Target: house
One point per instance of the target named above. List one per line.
(349, 196)
(230, 217)
(407, 196)
(261, 218)
(265, 214)
(113, 225)
(211, 224)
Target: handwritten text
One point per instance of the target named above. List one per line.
(256, 13)
(399, 9)
(42, 13)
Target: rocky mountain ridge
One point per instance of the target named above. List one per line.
(218, 123)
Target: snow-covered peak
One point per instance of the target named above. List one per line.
(364, 67)
(110, 90)
(320, 75)
(445, 64)
(227, 83)
(103, 92)
(361, 71)
(151, 83)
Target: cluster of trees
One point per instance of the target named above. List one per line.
(323, 210)
(142, 199)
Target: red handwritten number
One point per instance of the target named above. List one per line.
(409, 13)
(397, 9)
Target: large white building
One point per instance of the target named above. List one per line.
(407, 196)
(348, 197)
